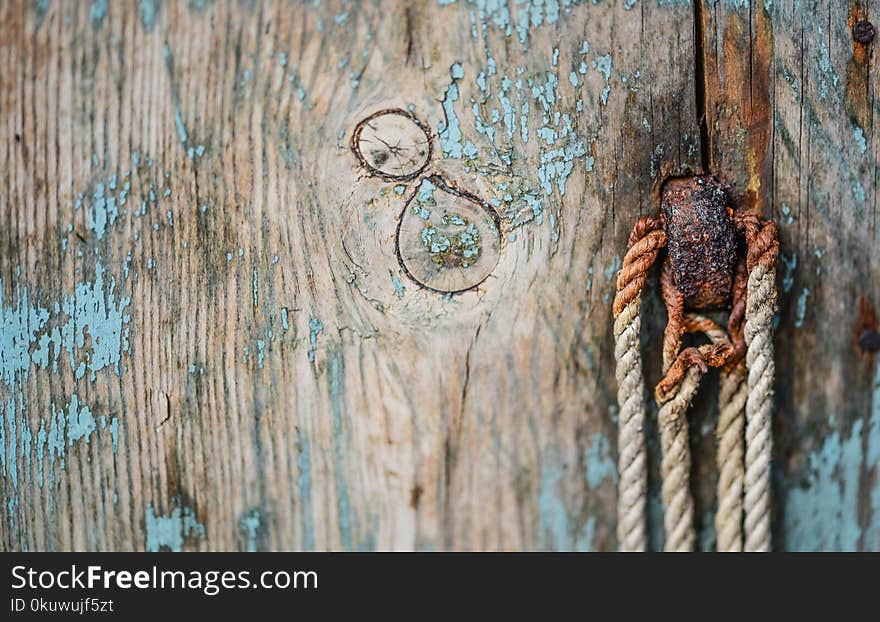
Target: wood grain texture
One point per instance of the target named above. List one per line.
(208, 342)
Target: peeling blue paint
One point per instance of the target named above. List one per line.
(66, 424)
(399, 288)
(92, 310)
(181, 127)
(315, 329)
(859, 136)
(168, 532)
(801, 308)
(148, 10)
(600, 464)
(250, 525)
(558, 530)
(551, 509)
(103, 210)
(114, 433)
(825, 65)
(450, 129)
(8, 444)
(872, 462)
(304, 488)
(261, 354)
(98, 11)
(789, 265)
(858, 191)
(80, 421)
(823, 515)
(340, 441)
(256, 291)
(602, 64)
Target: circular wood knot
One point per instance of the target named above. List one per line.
(448, 240)
(392, 144)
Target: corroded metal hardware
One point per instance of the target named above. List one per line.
(701, 240)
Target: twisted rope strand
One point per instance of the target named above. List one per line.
(645, 242)
(729, 434)
(760, 308)
(675, 466)
(729, 458)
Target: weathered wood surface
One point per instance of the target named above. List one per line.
(207, 341)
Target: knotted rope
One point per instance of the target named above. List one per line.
(739, 489)
(645, 242)
(729, 438)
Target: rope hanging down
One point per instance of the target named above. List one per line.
(760, 308)
(743, 352)
(645, 242)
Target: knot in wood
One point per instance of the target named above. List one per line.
(448, 240)
(701, 240)
(392, 144)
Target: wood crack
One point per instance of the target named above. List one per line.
(700, 86)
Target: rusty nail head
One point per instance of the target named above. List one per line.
(869, 340)
(863, 31)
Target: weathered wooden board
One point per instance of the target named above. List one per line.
(207, 341)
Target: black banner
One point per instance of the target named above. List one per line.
(140, 586)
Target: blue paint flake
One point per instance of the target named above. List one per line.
(168, 532)
(148, 10)
(181, 128)
(98, 11)
(8, 445)
(250, 526)
(859, 136)
(602, 64)
(114, 433)
(256, 292)
(872, 463)
(340, 438)
(600, 464)
(801, 308)
(34, 335)
(315, 329)
(824, 515)
(399, 288)
(450, 128)
(304, 487)
(102, 211)
(261, 354)
(80, 421)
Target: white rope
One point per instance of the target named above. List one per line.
(729, 458)
(631, 461)
(760, 308)
(645, 242)
(675, 466)
(729, 445)
(743, 517)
